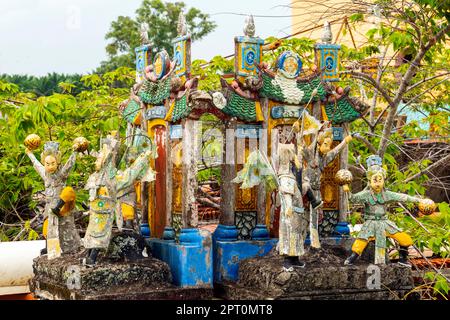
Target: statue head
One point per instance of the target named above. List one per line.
(376, 174)
(325, 141)
(182, 29)
(106, 152)
(249, 28)
(51, 157)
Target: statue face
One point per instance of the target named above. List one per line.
(290, 65)
(50, 164)
(100, 160)
(325, 147)
(377, 183)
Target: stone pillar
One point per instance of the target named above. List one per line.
(226, 229)
(261, 232)
(342, 227)
(169, 232)
(189, 184)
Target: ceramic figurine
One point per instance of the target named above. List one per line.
(293, 221)
(104, 186)
(129, 197)
(61, 234)
(317, 156)
(377, 226)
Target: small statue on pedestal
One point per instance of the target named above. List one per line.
(377, 226)
(293, 222)
(104, 186)
(61, 233)
(317, 156)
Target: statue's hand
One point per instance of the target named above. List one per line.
(296, 126)
(348, 139)
(28, 151)
(346, 188)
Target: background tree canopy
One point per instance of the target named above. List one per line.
(124, 32)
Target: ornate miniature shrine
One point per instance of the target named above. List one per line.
(285, 139)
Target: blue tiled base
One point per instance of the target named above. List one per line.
(342, 229)
(190, 261)
(227, 255)
(145, 230)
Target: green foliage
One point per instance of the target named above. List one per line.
(210, 174)
(45, 85)
(302, 46)
(210, 72)
(124, 34)
(441, 285)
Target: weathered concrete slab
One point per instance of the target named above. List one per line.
(122, 273)
(324, 277)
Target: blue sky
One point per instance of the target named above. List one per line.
(68, 36)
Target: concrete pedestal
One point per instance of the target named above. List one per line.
(190, 261)
(324, 277)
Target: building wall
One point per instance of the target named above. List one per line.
(309, 13)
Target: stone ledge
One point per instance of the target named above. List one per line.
(324, 277)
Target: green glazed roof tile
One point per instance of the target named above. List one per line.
(240, 107)
(155, 92)
(131, 111)
(274, 92)
(181, 109)
(345, 110)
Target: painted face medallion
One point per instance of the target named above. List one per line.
(289, 64)
(161, 64)
(158, 65)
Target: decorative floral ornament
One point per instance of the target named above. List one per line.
(219, 100)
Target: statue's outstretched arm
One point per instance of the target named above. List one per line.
(400, 197)
(69, 165)
(39, 167)
(134, 172)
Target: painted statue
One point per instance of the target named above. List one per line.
(61, 233)
(293, 220)
(317, 156)
(105, 186)
(377, 226)
(128, 197)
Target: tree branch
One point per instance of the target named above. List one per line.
(387, 130)
(366, 142)
(371, 81)
(425, 80)
(430, 167)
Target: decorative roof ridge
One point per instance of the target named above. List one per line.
(311, 77)
(360, 106)
(228, 87)
(271, 74)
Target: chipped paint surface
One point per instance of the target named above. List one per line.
(189, 263)
(228, 254)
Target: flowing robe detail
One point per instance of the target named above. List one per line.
(293, 221)
(103, 188)
(62, 234)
